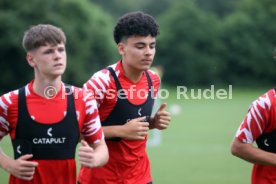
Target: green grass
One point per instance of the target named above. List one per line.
(196, 147)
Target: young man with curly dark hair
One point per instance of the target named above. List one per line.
(125, 93)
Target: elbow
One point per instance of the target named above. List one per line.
(236, 148)
(106, 158)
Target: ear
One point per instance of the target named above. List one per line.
(30, 59)
(121, 48)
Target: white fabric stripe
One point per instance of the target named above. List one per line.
(85, 87)
(78, 115)
(4, 124)
(117, 73)
(258, 113)
(93, 128)
(5, 127)
(91, 105)
(262, 101)
(100, 84)
(104, 76)
(248, 134)
(16, 92)
(7, 97)
(256, 119)
(27, 91)
(87, 96)
(4, 121)
(249, 137)
(97, 90)
(4, 107)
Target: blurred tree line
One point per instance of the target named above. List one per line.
(202, 42)
(87, 27)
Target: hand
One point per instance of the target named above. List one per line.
(162, 118)
(87, 156)
(21, 167)
(136, 129)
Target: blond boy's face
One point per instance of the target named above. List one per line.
(48, 60)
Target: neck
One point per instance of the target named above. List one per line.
(131, 73)
(47, 88)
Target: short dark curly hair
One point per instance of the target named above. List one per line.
(135, 24)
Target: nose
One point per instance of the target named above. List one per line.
(148, 50)
(57, 55)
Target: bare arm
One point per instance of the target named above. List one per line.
(94, 155)
(20, 168)
(252, 154)
(136, 129)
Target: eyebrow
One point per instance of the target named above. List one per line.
(143, 43)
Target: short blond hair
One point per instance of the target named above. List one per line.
(42, 34)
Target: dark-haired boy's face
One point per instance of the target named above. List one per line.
(138, 52)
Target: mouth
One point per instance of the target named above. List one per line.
(58, 65)
(147, 61)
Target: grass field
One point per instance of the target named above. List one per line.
(196, 147)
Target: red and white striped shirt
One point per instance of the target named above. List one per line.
(49, 111)
(103, 86)
(260, 119)
(131, 169)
